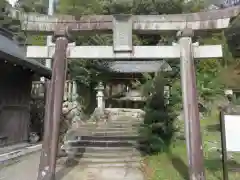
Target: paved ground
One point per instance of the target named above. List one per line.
(26, 169)
(12, 148)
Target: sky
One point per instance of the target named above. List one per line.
(12, 2)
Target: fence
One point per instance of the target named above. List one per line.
(70, 90)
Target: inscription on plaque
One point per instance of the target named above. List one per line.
(122, 33)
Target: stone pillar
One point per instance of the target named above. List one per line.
(74, 91)
(100, 96)
(167, 93)
(110, 105)
(190, 106)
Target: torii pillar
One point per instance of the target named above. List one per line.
(190, 106)
(54, 107)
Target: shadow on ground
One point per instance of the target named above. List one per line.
(213, 128)
(179, 165)
(68, 166)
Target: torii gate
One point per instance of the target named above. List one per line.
(122, 27)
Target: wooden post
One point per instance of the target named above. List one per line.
(56, 98)
(60, 66)
(44, 163)
(190, 106)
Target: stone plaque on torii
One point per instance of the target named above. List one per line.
(122, 27)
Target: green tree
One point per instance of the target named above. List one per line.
(36, 6)
(12, 25)
(232, 35)
(88, 73)
(39, 6)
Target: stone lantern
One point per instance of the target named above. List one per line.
(100, 96)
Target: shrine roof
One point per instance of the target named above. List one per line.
(10, 51)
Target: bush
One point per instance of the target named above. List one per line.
(159, 129)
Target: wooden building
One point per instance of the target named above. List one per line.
(16, 76)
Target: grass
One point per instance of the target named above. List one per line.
(173, 166)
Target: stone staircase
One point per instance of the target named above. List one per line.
(112, 141)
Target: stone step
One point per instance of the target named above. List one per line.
(110, 123)
(126, 121)
(108, 151)
(133, 138)
(78, 133)
(123, 125)
(101, 143)
(109, 160)
(128, 165)
(102, 163)
(109, 129)
(112, 154)
(93, 149)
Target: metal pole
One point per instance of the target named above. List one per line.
(190, 106)
(58, 82)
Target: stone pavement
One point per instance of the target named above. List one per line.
(13, 147)
(11, 154)
(26, 169)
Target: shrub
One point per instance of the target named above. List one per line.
(159, 129)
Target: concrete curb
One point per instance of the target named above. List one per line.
(11, 157)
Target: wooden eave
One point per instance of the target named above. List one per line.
(11, 52)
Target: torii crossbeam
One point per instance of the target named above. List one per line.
(201, 21)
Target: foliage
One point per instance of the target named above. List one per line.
(208, 83)
(39, 6)
(223, 72)
(174, 165)
(232, 35)
(87, 75)
(12, 25)
(194, 6)
(159, 128)
(231, 67)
